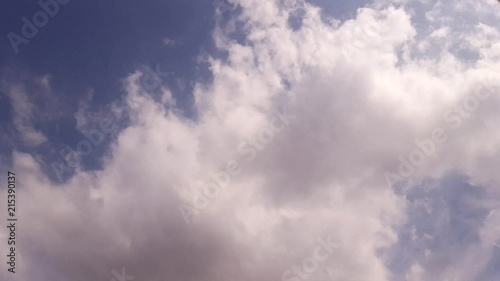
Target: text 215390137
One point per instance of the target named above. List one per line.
(11, 221)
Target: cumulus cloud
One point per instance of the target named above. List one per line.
(361, 93)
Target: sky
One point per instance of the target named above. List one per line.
(251, 140)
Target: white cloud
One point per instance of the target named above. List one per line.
(171, 42)
(22, 109)
(362, 93)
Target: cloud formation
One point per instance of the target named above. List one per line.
(361, 92)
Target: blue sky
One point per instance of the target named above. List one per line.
(91, 46)
(228, 140)
(95, 44)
